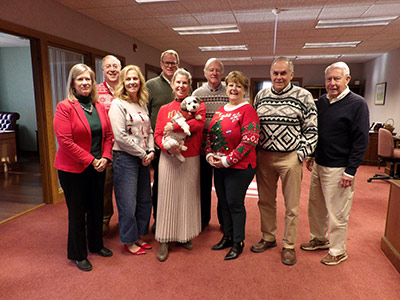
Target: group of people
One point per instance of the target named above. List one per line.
(109, 135)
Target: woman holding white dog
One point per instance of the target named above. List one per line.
(178, 212)
(133, 152)
(230, 149)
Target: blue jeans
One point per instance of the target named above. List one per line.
(133, 196)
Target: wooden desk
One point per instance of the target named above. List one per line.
(8, 150)
(390, 242)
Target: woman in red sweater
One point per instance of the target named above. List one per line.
(231, 142)
(84, 138)
(178, 211)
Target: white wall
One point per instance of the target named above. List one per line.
(384, 69)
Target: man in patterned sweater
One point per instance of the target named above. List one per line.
(213, 94)
(111, 67)
(288, 134)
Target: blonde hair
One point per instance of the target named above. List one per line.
(75, 71)
(121, 93)
(182, 71)
(237, 77)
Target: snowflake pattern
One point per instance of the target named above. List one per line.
(235, 117)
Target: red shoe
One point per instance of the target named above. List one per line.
(138, 252)
(145, 245)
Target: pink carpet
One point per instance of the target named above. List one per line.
(33, 263)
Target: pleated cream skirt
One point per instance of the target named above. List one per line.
(178, 208)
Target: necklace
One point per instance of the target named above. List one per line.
(89, 111)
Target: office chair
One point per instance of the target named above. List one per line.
(387, 153)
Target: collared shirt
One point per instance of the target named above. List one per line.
(169, 81)
(214, 90)
(338, 98)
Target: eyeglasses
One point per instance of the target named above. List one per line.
(170, 63)
(114, 66)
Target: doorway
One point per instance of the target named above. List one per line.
(20, 183)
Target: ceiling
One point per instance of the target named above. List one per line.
(152, 24)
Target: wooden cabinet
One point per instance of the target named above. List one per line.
(371, 155)
(8, 150)
(390, 242)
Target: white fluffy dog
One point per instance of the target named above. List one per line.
(189, 106)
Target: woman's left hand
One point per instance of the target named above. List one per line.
(100, 164)
(216, 161)
(147, 159)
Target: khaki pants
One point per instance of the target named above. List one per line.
(329, 205)
(270, 167)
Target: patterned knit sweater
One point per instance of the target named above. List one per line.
(288, 120)
(105, 95)
(234, 133)
(213, 99)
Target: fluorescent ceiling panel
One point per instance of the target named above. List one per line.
(208, 29)
(151, 1)
(224, 48)
(235, 58)
(355, 22)
(331, 45)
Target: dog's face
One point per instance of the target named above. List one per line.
(192, 103)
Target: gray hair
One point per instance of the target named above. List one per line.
(182, 71)
(283, 58)
(339, 65)
(111, 57)
(209, 61)
(172, 52)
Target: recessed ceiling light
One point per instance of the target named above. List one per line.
(235, 58)
(331, 45)
(151, 1)
(317, 56)
(355, 22)
(224, 48)
(209, 29)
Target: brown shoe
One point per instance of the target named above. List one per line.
(330, 260)
(188, 245)
(162, 252)
(315, 244)
(262, 245)
(289, 256)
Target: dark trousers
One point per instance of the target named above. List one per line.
(231, 186)
(206, 172)
(84, 194)
(154, 194)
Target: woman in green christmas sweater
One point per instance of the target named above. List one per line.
(231, 142)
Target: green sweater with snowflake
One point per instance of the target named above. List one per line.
(233, 133)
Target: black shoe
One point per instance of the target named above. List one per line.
(105, 252)
(226, 242)
(236, 250)
(84, 265)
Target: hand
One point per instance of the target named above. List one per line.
(100, 164)
(175, 150)
(147, 159)
(346, 181)
(168, 128)
(309, 163)
(215, 161)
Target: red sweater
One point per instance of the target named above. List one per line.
(75, 138)
(194, 141)
(234, 134)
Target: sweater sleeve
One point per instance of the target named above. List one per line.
(360, 138)
(250, 131)
(159, 130)
(309, 129)
(125, 142)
